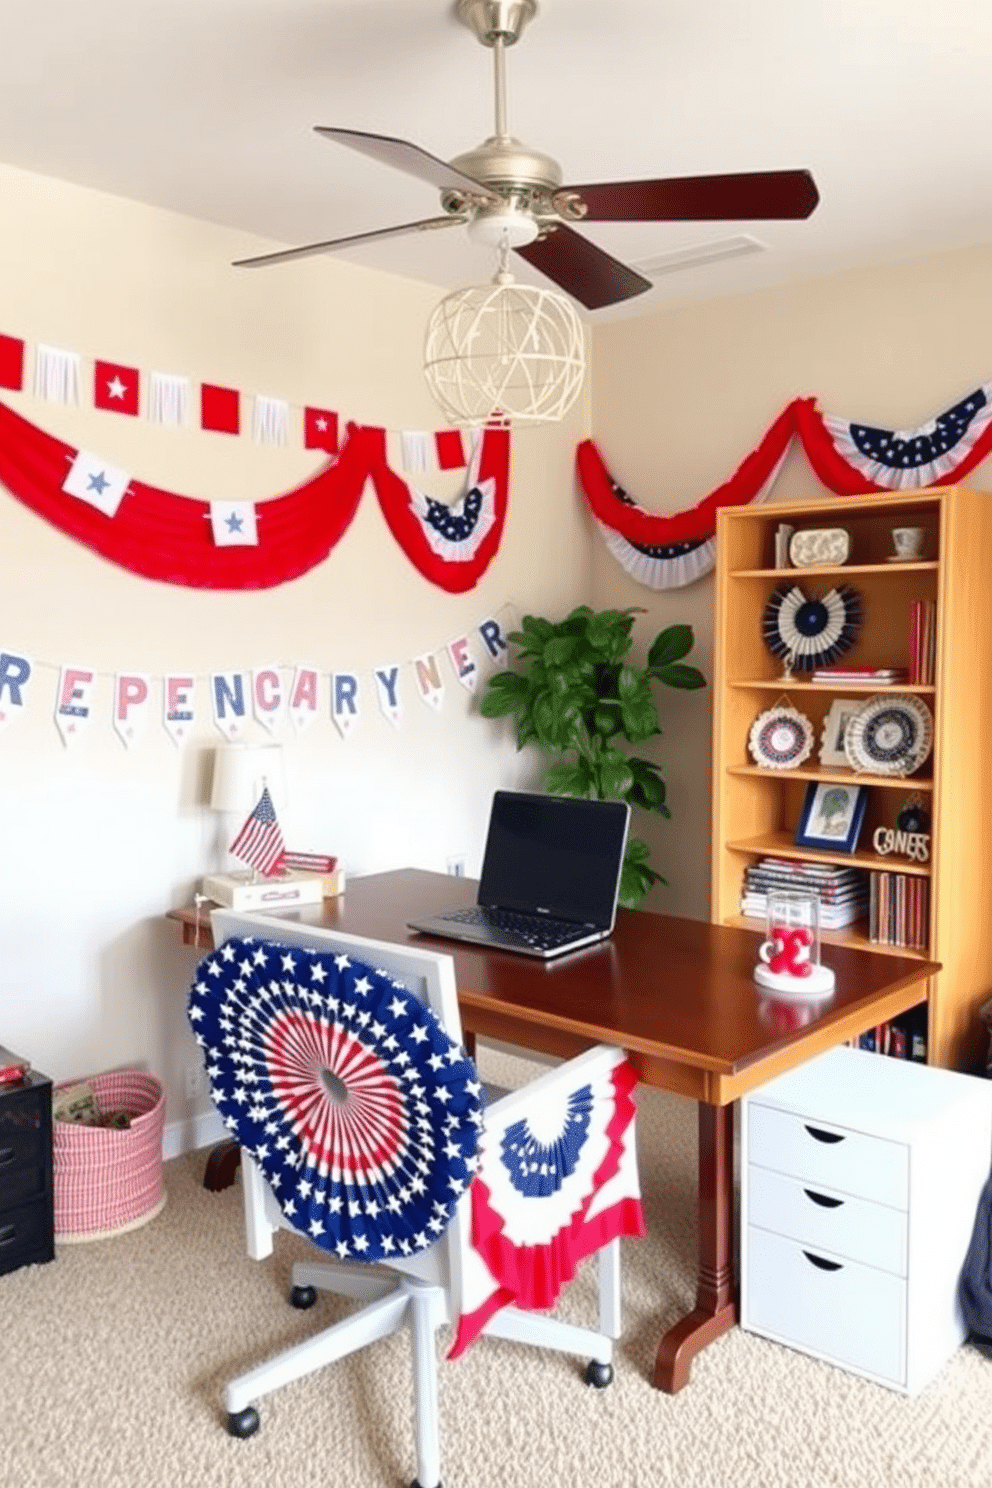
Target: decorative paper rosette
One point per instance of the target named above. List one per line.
(781, 738)
(344, 1088)
(891, 734)
(808, 632)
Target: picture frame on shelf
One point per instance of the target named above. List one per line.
(832, 816)
(841, 711)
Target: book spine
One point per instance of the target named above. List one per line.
(915, 612)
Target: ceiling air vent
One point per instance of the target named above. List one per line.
(697, 254)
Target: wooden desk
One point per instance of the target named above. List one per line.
(678, 995)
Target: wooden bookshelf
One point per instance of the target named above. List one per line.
(755, 810)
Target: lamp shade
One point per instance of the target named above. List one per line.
(242, 771)
(504, 352)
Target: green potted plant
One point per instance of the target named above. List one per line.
(575, 692)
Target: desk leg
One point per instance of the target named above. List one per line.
(222, 1165)
(716, 1307)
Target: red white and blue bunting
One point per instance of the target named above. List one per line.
(177, 539)
(849, 457)
(377, 1173)
(556, 1181)
(450, 545)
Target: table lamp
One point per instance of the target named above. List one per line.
(241, 773)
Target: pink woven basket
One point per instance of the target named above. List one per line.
(107, 1180)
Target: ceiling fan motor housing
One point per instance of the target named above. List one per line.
(497, 20)
(504, 163)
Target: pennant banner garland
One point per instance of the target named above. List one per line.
(665, 552)
(271, 695)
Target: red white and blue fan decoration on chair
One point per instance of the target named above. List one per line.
(556, 1181)
(343, 1086)
(807, 632)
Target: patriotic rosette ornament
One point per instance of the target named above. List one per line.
(807, 632)
(344, 1088)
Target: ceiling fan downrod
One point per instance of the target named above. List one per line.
(497, 24)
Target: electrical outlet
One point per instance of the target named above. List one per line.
(456, 866)
(193, 1081)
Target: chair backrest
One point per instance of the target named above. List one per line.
(430, 977)
(557, 1176)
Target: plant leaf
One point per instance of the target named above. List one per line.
(677, 675)
(648, 789)
(636, 877)
(615, 776)
(671, 644)
(569, 780)
(505, 692)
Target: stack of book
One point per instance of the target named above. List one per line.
(873, 676)
(904, 1037)
(842, 892)
(899, 910)
(922, 640)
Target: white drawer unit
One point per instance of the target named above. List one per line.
(860, 1178)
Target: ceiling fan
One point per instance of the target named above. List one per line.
(511, 196)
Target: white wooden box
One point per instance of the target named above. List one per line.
(860, 1178)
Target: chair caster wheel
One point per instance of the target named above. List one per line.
(303, 1297)
(598, 1375)
(243, 1423)
(417, 1484)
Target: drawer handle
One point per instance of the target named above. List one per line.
(820, 1263)
(819, 1135)
(6, 1156)
(824, 1200)
(7, 1234)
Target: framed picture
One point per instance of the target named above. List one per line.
(842, 710)
(832, 816)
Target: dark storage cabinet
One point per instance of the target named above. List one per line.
(27, 1231)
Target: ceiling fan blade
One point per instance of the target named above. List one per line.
(754, 195)
(405, 157)
(581, 269)
(283, 255)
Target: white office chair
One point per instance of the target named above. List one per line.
(306, 1030)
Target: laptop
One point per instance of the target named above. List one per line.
(550, 876)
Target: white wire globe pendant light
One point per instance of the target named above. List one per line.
(504, 352)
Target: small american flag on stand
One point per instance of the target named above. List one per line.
(259, 843)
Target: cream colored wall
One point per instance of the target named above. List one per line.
(678, 400)
(99, 841)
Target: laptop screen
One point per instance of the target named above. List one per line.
(554, 855)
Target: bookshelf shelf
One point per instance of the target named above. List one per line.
(755, 810)
(834, 571)
(838, 774)
(781, 845)
(780, 684)
(852, 935)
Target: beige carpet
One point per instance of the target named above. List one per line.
(114, 1358)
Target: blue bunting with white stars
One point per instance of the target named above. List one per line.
(908, 459)
(346, 1090)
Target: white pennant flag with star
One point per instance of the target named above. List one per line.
(96, 481)
(234, 524)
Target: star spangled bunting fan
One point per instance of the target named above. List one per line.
(807, 632)
(556, 1180)
(345, 1089)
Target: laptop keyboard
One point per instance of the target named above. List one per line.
(535, 930)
